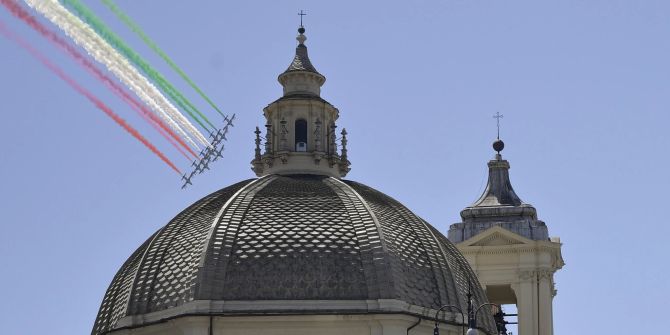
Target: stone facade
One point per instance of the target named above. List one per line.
(370, 324)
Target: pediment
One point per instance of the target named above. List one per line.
(496, 236)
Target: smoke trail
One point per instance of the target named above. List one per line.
(134, 27)
(78, 30)
(157, 123)
(97, 102)
(164, 133)
(117, 64)
(89, 17)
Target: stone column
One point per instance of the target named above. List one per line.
(545, 295)
(527, 302)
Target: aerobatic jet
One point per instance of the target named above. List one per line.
(217, 154)
(187, 180)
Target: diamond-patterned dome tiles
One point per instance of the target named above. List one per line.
(290, 246)
(290, 238)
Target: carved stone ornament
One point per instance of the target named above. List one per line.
(528, 275)
(545, 274)
(317, 157)
(268, 160)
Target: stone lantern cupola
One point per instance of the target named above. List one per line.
(301, 131)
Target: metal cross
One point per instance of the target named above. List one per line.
(498, 116)
(301, 15)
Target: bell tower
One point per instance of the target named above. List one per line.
(301, 130)
(510, 250)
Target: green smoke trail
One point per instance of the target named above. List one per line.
(99, 27)
(134, 27)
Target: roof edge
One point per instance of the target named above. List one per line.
(283, 308)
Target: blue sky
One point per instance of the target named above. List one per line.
(584, 87)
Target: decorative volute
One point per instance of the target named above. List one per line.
(300, 129)
(500, 206)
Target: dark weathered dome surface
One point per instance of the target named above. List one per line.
(288, 238)
(301, 61)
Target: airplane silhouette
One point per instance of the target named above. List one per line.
(187, 180)
(207, 157)
(211, 153)
(216, 136)
(229, 121)
(196, 165)
(217, 154)
(204, 164)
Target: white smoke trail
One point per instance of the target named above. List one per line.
(104, 53)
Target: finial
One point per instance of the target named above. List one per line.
(498, 144)
(301, 31)
(302, 13)
(333, 138)
(258, 143)
(344, 141)
(498, 116)
(344, 159)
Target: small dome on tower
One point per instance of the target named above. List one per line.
(301, 60)
(499, 205)
(301, 77)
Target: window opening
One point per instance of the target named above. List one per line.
(300, 135)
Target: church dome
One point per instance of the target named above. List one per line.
(290, 245)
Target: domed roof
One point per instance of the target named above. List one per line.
(301, 60)
(268, 245)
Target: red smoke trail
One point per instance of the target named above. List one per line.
(97, 102)
(140, 108)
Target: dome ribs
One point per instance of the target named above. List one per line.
(442, 271)
(166, 277)
(450, 271)
(217, 254)
(457, 276)
(296, 242)
(371, 243)
(411, 268)
(175, 270)
(466, 276)
(271, 244)
(115, 302)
